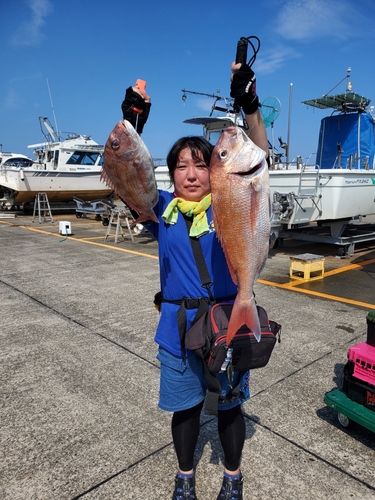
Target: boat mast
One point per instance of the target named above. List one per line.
(53, 111)
(289, 121)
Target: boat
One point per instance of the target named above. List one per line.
(63, 169)
(335, 193)
(340, 187)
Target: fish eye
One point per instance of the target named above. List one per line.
(115, 145)
(223, 153)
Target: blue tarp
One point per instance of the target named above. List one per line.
(354, 134)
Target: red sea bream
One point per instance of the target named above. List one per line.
(129, 170)
(241, 213)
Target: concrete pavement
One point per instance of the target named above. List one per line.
(79, 378)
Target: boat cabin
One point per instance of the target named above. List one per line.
(347, 137)
(78, 153)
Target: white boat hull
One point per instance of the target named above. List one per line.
(21, 186)
(328, 194)
(335, 194)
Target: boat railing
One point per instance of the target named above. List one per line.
(295, 164)
(86, 147)
(50, 146)
(354, 162)
(159, 162)
(82, 147)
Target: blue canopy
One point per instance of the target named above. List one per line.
(347, 141)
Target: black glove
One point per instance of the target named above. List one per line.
(243, 89)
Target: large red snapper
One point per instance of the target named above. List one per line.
(128, 169)
(241, 213)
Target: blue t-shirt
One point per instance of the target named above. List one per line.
(179, 276)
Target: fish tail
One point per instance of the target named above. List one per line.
(244, 312)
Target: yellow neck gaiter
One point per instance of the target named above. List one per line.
(195, 208)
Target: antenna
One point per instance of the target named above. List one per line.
(270, 110)
(53, 111)
(348, 86)
(348, 82)
(216, 97)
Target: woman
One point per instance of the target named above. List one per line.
(182, 382)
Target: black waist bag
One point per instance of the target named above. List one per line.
(207, 337)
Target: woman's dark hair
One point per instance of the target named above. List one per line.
(198, 146)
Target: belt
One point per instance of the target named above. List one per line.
(201, 303)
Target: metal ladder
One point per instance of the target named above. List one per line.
(41, 205)
(115, 222)
(308, 188)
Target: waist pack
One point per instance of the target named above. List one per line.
(207, 337)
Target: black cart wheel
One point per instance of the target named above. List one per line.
(78, 215)
(105, 222)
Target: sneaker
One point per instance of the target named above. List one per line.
(231, 489)
(184, 488)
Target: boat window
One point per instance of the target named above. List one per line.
(18, 162)
(214, 136)
(101, 160)
(82, 158)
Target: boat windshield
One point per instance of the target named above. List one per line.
(214, 136)
(83, 158)
(18, 162)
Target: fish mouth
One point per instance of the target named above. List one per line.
(250, 172)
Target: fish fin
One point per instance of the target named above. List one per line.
(108, 181)
(259, 272)
(105, 178)
(244, 312)
(233, 275)
(221, 239)
(146, 218)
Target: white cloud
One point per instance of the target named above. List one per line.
(272, 60)
(30, 32)
(309, 19)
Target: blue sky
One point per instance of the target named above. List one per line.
(91, 51)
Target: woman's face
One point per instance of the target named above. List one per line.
(190, 177)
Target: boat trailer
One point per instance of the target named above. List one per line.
(345, 233)
(100, 208)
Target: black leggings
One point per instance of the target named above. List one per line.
(185, 431)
